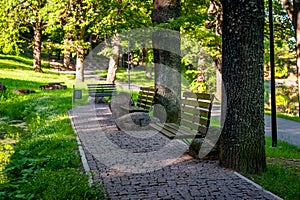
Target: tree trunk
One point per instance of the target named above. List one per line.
(113, 60)
(218, 64)
(294, 15)
(67, 60)
(297, 28)
(37, 46)
(79, 64)
(243, 135)
(80, 54)
(67, 51)
(167, 59)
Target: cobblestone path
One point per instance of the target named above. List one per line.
(146, 165)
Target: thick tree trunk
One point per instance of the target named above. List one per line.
(167, 59)
(79, 64)
(37, 46)
(113, 60)
(243, 135)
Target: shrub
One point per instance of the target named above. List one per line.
(281, 72)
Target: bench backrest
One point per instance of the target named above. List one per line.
(196, 111)
(101, 90)
(146, 98)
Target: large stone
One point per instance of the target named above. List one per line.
(208, 147)
(135, 121)
(122, 99)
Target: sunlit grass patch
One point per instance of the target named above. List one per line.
(61, 184)
(45, 151)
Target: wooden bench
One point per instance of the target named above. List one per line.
(194, 117)
(101, 90)
(144, 102)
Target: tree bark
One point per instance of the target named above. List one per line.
(37, 45)
(80, 54)
(67, 51)
(67, 59)
(297, 35)
(218, 63)
(243, 135)
(79, 64)
(289, 8)
(113, 60)
(215, 14)
(293, 12)
(167, 59)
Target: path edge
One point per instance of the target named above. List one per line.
(257, 186)
(84, 161)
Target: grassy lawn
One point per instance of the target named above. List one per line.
(38, 147)
(137, 76)
(283, 170)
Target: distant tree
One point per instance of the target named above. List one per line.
(203, 23)
(243, 135)
(293, 11)
(104, 19)
(20, 16)
(124, 15)
(79, 18)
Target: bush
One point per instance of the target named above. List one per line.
(286, 99)
(281, 72)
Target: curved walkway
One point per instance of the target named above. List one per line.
(146, 165)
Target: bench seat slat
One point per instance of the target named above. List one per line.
(167, 133)
(144, 102)
(172, 132)
(191, 125)
(204, 113)
(194, 117)
(101, 90)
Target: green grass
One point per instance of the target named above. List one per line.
(283, 170)
(138, 77)
(38, 148)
